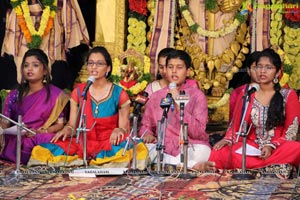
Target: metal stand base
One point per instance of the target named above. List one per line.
(13, 178)
(136, 172)
(187, 176)
(160, 173)
(243, 176)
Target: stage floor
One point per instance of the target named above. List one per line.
(55, 183)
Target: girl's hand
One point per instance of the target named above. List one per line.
(221, 144)
(42, 130)
(117, 136)
(64, 133)
(28, 134)
(266, 152)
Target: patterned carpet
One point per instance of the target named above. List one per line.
(54, 183)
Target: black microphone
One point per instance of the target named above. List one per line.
(139, 102)
(89, 82)
(165, 103)
(254, 88)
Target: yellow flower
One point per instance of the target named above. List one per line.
(141, 25)
(147, 65)
(18, 10)
(116, 69)
(284, 79)
(52, 14)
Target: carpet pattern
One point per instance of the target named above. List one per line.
(55, 183)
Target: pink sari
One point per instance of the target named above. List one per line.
(35, 112)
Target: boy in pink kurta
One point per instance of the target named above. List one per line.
(195, 115)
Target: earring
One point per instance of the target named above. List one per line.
(275, 80)
(25, 81)
(106, 74)
(44, 79)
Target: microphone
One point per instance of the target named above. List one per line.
(165, 103)
(172, 85)
(89, 82)
(182, 98)
(139, 102)
(254, 88)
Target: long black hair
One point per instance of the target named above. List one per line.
(276, 108)
(23, 88)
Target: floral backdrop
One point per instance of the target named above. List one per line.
(214, 72)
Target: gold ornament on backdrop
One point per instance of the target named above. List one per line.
(214, 71)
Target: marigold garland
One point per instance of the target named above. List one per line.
(291, 46)
(136, 38)
(34, 37)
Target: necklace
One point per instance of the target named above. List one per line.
(98, 100)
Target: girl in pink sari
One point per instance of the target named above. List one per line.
(40, 104)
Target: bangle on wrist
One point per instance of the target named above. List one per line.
(124, 130)
(69, 127)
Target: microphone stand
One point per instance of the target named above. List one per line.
(160, 146)
(183, 142)
(20, 127)
(243, 132)
(82, 128)
(132, 138)
(161, 130)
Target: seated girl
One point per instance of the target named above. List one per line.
(272, 118)
(107, 116)
(40, 104)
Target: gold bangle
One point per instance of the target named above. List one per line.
(70, 127)
(124, 130)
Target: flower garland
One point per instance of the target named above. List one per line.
(141, 82)
(195, 28)
(34, 37)
(276, 41)
(292, 13)
(136, 39)
(291, 39)
(151, 5)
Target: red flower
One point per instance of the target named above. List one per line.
(292, 14)
(139, 6)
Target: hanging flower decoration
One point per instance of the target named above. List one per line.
(138, 6)
(292, 13)
(34, 37)
(136, 38)
(137, 84)
(195, 28)
(291, 47)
